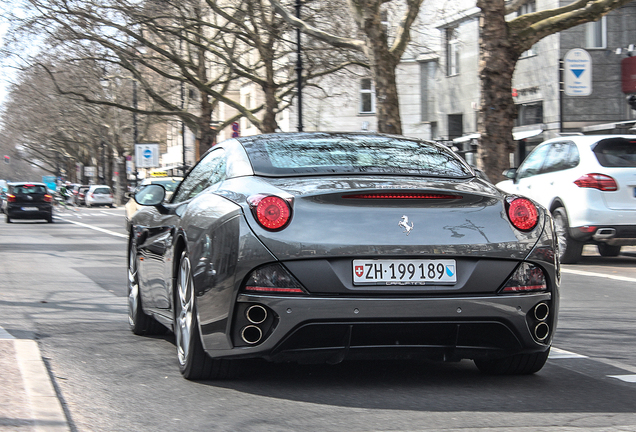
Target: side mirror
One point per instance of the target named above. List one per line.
(510, 173)
(151, 195)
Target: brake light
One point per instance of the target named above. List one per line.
(597, 181)
(523, 214)
(402, 195)
(527, 278)
(10, 198)
(273, 279)
(48, 198)
(272, 212)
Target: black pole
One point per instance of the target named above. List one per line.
(183, 133)
(135, 130)
(299, 72)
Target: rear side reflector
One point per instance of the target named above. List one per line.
(273, 279)
(272, 212)
(527, 278)
(523, 214)
(402, 195)
(597, 181)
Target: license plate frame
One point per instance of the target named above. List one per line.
(404, 272)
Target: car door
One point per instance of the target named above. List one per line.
(163, 226)
(526, 181)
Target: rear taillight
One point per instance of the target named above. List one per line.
(272, 212)
(402, 195)
(527, 278)
(90, 195)
(48, 198)
(597, 181)
(523, 214)
(272, 279)
(10, 198)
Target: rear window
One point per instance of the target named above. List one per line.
(616, 152)
(101, 190)
(29, 190)
(319, 154)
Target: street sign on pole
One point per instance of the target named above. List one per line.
(577, 79)
(146, 155)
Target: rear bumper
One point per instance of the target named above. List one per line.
(311, 329)
(615, 235)
(16, 212)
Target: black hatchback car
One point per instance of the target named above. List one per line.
(28, 201)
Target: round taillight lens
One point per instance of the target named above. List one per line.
(523, 214)
(273, 212)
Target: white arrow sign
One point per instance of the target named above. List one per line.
(577, 79)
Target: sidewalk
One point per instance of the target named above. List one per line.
(28, 401)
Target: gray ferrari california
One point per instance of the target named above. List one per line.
(322, 247)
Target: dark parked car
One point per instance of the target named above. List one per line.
(80, 198)
(322, 247)
(28, 201)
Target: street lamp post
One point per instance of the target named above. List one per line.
(299, 71)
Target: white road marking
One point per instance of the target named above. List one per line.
(556, 353)
(626, 378)
(601, 275)
(113, 233)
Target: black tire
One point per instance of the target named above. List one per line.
(570, 250)
(608, 250)
(194, 363)
(518, 364)
(49, 219)
(8, 218)
(140, 323)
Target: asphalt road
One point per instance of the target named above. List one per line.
(64, 284)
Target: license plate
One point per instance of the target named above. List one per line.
(404, 272)
(30, 209)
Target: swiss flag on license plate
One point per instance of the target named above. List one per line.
(359, 270)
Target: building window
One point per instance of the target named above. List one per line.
(527, 8)
(529, 114)
(596, 34)
(455, 126)
(367, 96)
(452, 52)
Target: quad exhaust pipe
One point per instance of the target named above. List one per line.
(256, 314)
(541, 331)
(251, 334)
(541, 311)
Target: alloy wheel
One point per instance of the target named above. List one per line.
(133, 287)
(185, 310)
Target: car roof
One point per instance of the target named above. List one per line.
(588, 139)
(26, 183)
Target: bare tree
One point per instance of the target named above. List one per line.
(501, 44)
(382, 53)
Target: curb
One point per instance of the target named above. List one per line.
(31, 382)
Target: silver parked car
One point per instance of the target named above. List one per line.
(321, 247)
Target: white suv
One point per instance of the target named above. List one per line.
(589, 185)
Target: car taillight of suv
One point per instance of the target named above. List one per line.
(597, 181)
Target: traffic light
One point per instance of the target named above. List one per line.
(631, 100)
(7, 159)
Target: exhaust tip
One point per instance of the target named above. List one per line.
(541, 311)
(541, 331)
(256, 314)
(251, 334)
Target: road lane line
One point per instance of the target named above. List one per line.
(602, 275)
(626, 378)
(557, 353)
(113, 233)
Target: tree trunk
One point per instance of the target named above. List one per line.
(383, 64)
(497, 111)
